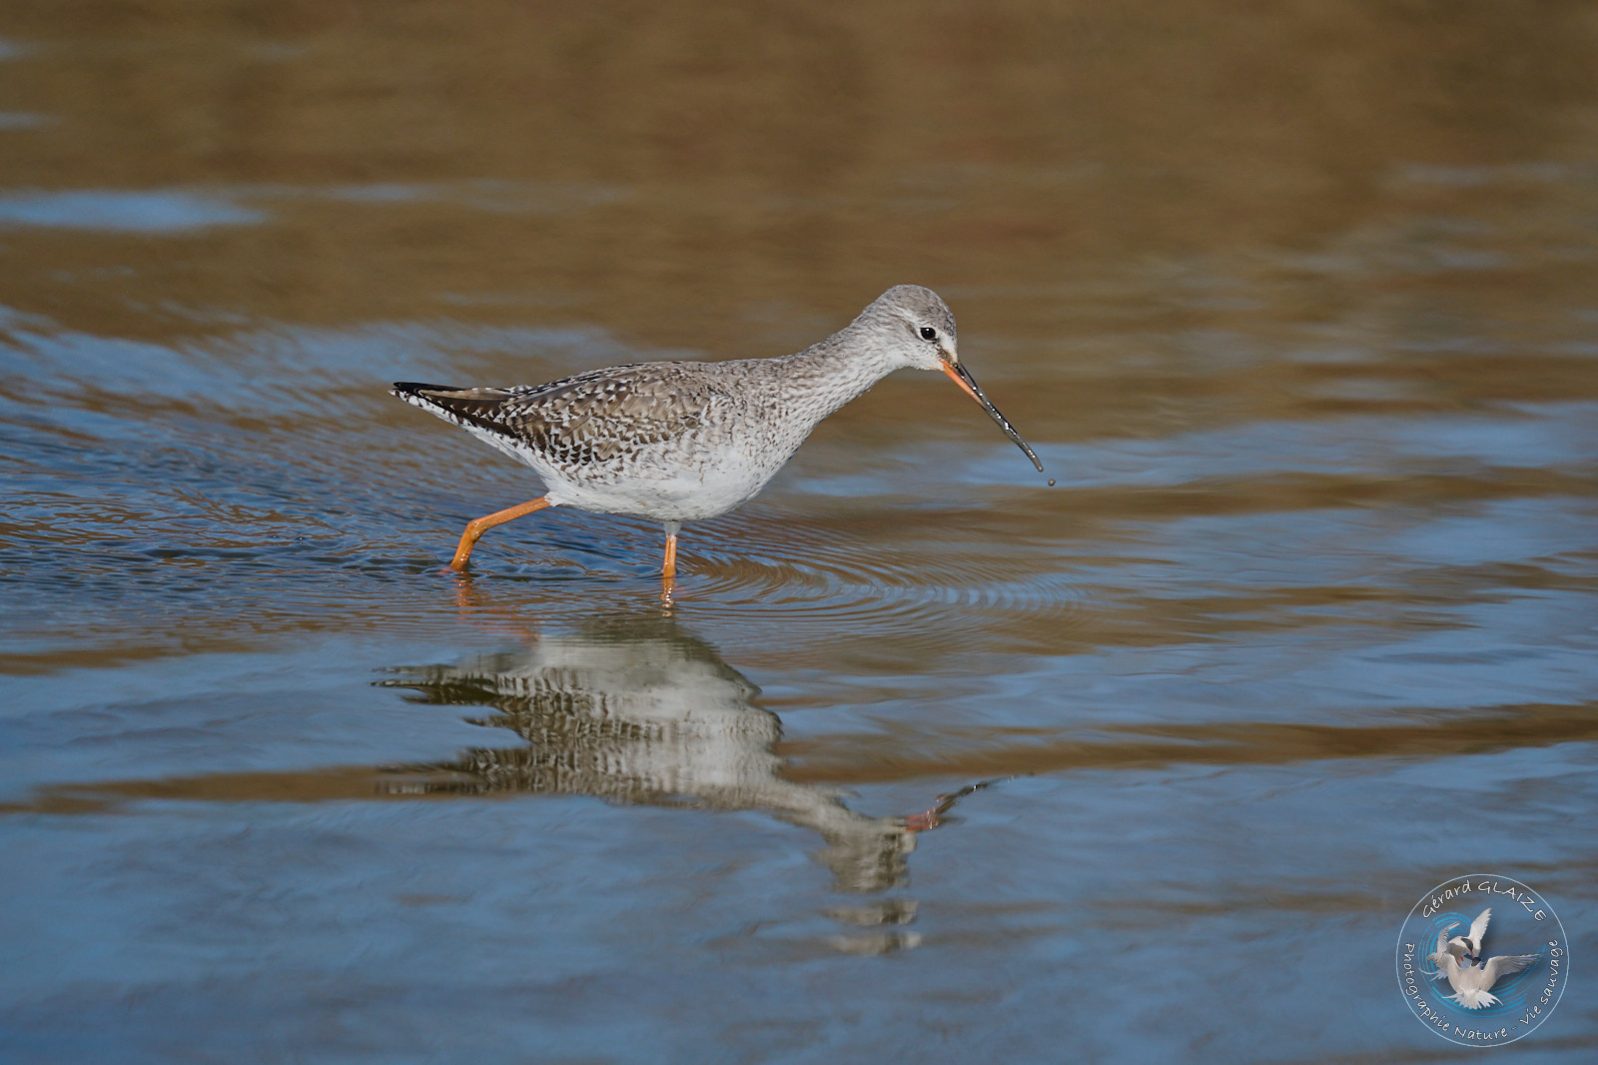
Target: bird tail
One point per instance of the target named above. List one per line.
(469, 407)
(1474, 999)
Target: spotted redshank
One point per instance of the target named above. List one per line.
(683, 441)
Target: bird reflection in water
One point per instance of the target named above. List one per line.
(636, 710)
(630, 709)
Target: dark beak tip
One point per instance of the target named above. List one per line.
(994, 413)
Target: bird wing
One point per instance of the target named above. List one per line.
(1507, 965)
(1478, 929)
(587, 418)
(1442, 938)
(1448, 968)
(1447, 964)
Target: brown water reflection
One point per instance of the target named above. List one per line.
(598, 165)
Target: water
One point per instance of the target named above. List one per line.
(927, 760)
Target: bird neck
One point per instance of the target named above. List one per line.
(831, 372)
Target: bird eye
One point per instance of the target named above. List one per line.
(928, 333)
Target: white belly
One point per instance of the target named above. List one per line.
(684, 479)
(667, 487)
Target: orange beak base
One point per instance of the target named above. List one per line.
(962, 377)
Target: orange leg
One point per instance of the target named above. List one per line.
(479, 526)
(668, 569)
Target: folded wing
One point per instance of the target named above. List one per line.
(589, 418)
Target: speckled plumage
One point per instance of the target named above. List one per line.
(683, 441)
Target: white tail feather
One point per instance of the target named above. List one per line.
(1473, 999)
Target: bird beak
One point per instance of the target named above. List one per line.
(962, 377)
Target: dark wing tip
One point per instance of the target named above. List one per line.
(483, 408)
(415, 388)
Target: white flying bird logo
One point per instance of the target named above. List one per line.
(1456, 960)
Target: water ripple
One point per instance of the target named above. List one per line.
(822, 581)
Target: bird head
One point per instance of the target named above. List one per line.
(915, 326)
(917, 330)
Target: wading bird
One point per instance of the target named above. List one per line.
(685, 441)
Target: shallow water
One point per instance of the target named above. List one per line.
(926, 760)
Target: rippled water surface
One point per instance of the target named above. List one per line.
(926, 761)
